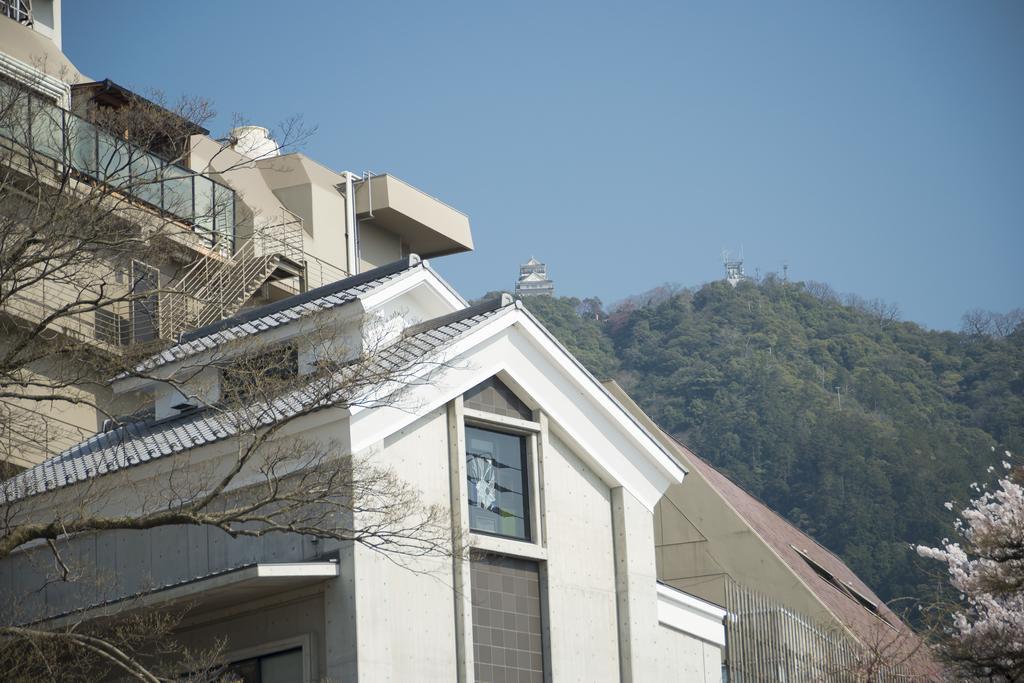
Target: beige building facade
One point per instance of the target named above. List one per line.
(248, 222)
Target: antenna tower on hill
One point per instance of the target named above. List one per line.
(733, 268)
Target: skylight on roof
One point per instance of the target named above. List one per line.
(845, 588)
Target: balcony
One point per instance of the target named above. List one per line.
(41, 131)
(427, 225)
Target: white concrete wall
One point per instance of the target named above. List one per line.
(580, 569)
(384, 622)
(650, 651)
(404, 617)
(683, 658)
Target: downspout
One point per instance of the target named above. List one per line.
(367, 177)
(351, 228)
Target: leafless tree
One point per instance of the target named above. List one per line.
(821, 291)
(72, 224)
(885, 652)
(979, 322)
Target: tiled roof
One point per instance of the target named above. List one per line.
(141, 442)
(270, 316)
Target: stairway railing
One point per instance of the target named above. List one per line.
(214, 288)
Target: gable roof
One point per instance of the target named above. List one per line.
(143, 441)
(828, 578)
(466, 344)
(581, 412)
(831, 581)
(793, 546)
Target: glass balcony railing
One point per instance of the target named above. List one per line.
(42, 129)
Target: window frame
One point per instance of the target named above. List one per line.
(234, 388)
(536, 430)
(534, 547)
(303, 642)
(525, 440)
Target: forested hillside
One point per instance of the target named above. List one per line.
(855, 426)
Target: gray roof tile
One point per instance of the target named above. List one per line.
(139, 442)
(263, 318)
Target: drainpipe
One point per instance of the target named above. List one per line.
(367, 176)
(351, 227)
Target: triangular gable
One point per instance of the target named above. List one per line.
(493, 396)
(514, 346)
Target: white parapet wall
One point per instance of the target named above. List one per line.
(693, 616)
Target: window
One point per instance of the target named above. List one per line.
(261, 375)
(280, 667)
(507, 624)
(497, 480)
(19, 10)
(845, 588)
(145, 311)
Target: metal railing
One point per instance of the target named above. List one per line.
(142, 309)
(320, 272)
(215, 288)
(769, 643)
(42, 299)
(39, 130)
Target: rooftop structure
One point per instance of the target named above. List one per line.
(533, 280)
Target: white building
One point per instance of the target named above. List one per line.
(534, 465)
(562, 582)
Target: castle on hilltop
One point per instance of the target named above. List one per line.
(534, 280)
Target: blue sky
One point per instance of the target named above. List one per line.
(876, 146)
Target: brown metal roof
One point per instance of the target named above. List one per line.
(834, 584)
(792, 545)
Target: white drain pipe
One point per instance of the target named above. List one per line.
(351, 228)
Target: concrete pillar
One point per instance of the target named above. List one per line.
(635, 581)
(340, 652)
(460, 538)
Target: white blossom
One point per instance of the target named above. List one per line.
(986, 566)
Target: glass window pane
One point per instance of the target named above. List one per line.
(82, 142)
(47, 129)
(113, 160)
(14, 123)
(178, 193)
(224, 222)
(204, 208)
(497, 483)
(284, 667)
(146, 179)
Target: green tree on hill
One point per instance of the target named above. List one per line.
(854, 425)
